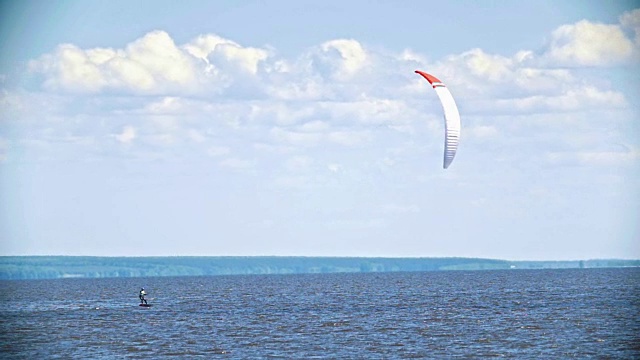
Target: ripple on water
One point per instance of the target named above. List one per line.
(518, 314)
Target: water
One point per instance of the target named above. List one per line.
(588, 313)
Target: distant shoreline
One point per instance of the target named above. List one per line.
(58, 267)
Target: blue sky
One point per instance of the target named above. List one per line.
(299, 128)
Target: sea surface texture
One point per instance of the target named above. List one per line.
(537, 314)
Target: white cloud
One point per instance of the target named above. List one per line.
(219, 53)
(4, 149)
(586, 43)
(314, 126)
(334, 168)
(127, 135)
(545, 81)
(153, 64)
(162, 139)
(482, 132)
(498, 84)
(296, 138)
(594, 158)
(349, 138)
(161, 58)
(70, 68)
(346, 57)
(196, 136)
(492, 68)
(371, 111)
(631, 20)
(281, 112)
(589, 44)
(580, 98)
(293, 88)
(166, 105)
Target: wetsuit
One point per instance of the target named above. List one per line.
(141, 296)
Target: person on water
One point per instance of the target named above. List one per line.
(141, 296)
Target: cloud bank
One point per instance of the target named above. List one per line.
(156, 94)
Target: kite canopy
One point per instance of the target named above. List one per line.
(451, 117)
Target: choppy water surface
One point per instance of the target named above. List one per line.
(518, 314)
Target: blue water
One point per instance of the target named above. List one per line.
(542, 314)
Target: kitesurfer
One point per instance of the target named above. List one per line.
(141, 296)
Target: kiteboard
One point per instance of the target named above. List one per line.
(145, 305)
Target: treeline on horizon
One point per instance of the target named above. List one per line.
(56, 267)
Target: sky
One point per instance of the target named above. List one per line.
(299, 128)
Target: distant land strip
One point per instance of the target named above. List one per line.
(57, 267)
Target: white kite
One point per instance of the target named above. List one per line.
(451, 118)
